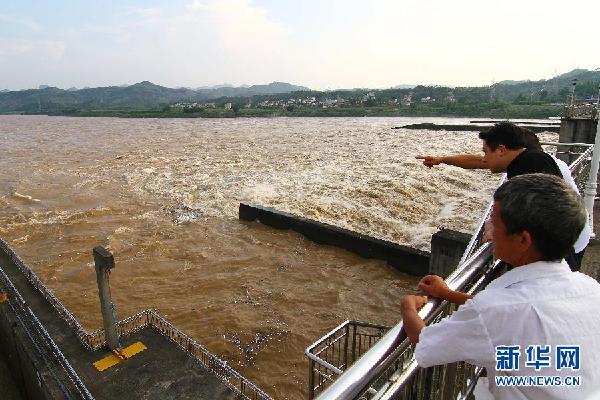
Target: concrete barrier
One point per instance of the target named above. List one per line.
(447, 248)
(29, 371)
(403, 258)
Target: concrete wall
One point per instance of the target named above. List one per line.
(576, 130)
(29, 372)
(447, 246)
(403, 258)
(8, 387)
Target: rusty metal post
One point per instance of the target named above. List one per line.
(104, 263)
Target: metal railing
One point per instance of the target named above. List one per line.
(389, 364)
(389, 370)
(148, 318)
(336, 351)
(580, 167)
(46, 351)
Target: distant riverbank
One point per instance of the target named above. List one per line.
(508, 111)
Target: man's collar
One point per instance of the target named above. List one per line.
(512, 154)
(539, 269)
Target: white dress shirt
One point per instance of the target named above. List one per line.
(542, 303)
(586, 233)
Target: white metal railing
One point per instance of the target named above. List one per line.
(388, 370)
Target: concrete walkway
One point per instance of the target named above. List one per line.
(163, 371)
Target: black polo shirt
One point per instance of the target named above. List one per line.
(532, 161)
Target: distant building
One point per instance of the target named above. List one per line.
(228, 106)
(368, 96)
(329, 103)
(187, 106)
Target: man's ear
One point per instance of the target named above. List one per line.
(501, 149)
(525, 241)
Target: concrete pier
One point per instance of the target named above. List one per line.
(403, 258)
(577, 125)
(577, 130)
(447, 246)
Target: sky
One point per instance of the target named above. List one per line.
(321, 44)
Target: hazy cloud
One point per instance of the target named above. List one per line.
(332, 44)
(47, 50)
(21, 22)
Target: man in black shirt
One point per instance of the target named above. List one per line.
(505, 150)
(531, 161)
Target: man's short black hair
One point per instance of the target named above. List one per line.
(504, 133)
(546, 207)
(531, 140)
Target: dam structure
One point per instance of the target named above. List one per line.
(51, 356)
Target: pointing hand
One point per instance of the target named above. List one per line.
(430, 161)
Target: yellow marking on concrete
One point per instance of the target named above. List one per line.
(119, 355)
(3, 297)
(132, 350)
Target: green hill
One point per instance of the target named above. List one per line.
(450, 100)
(143, 95)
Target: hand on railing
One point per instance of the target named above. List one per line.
(435, 286)
(413, 323)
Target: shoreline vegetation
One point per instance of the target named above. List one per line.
(503, 100)
(497, 111)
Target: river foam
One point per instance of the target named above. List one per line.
(163, 196)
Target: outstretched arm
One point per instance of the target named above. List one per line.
(466, 161)
(435, 286)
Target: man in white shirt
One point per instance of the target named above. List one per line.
(536, 328)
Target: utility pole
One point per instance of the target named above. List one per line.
(574, 83)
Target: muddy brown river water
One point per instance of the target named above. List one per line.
(162, 195)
